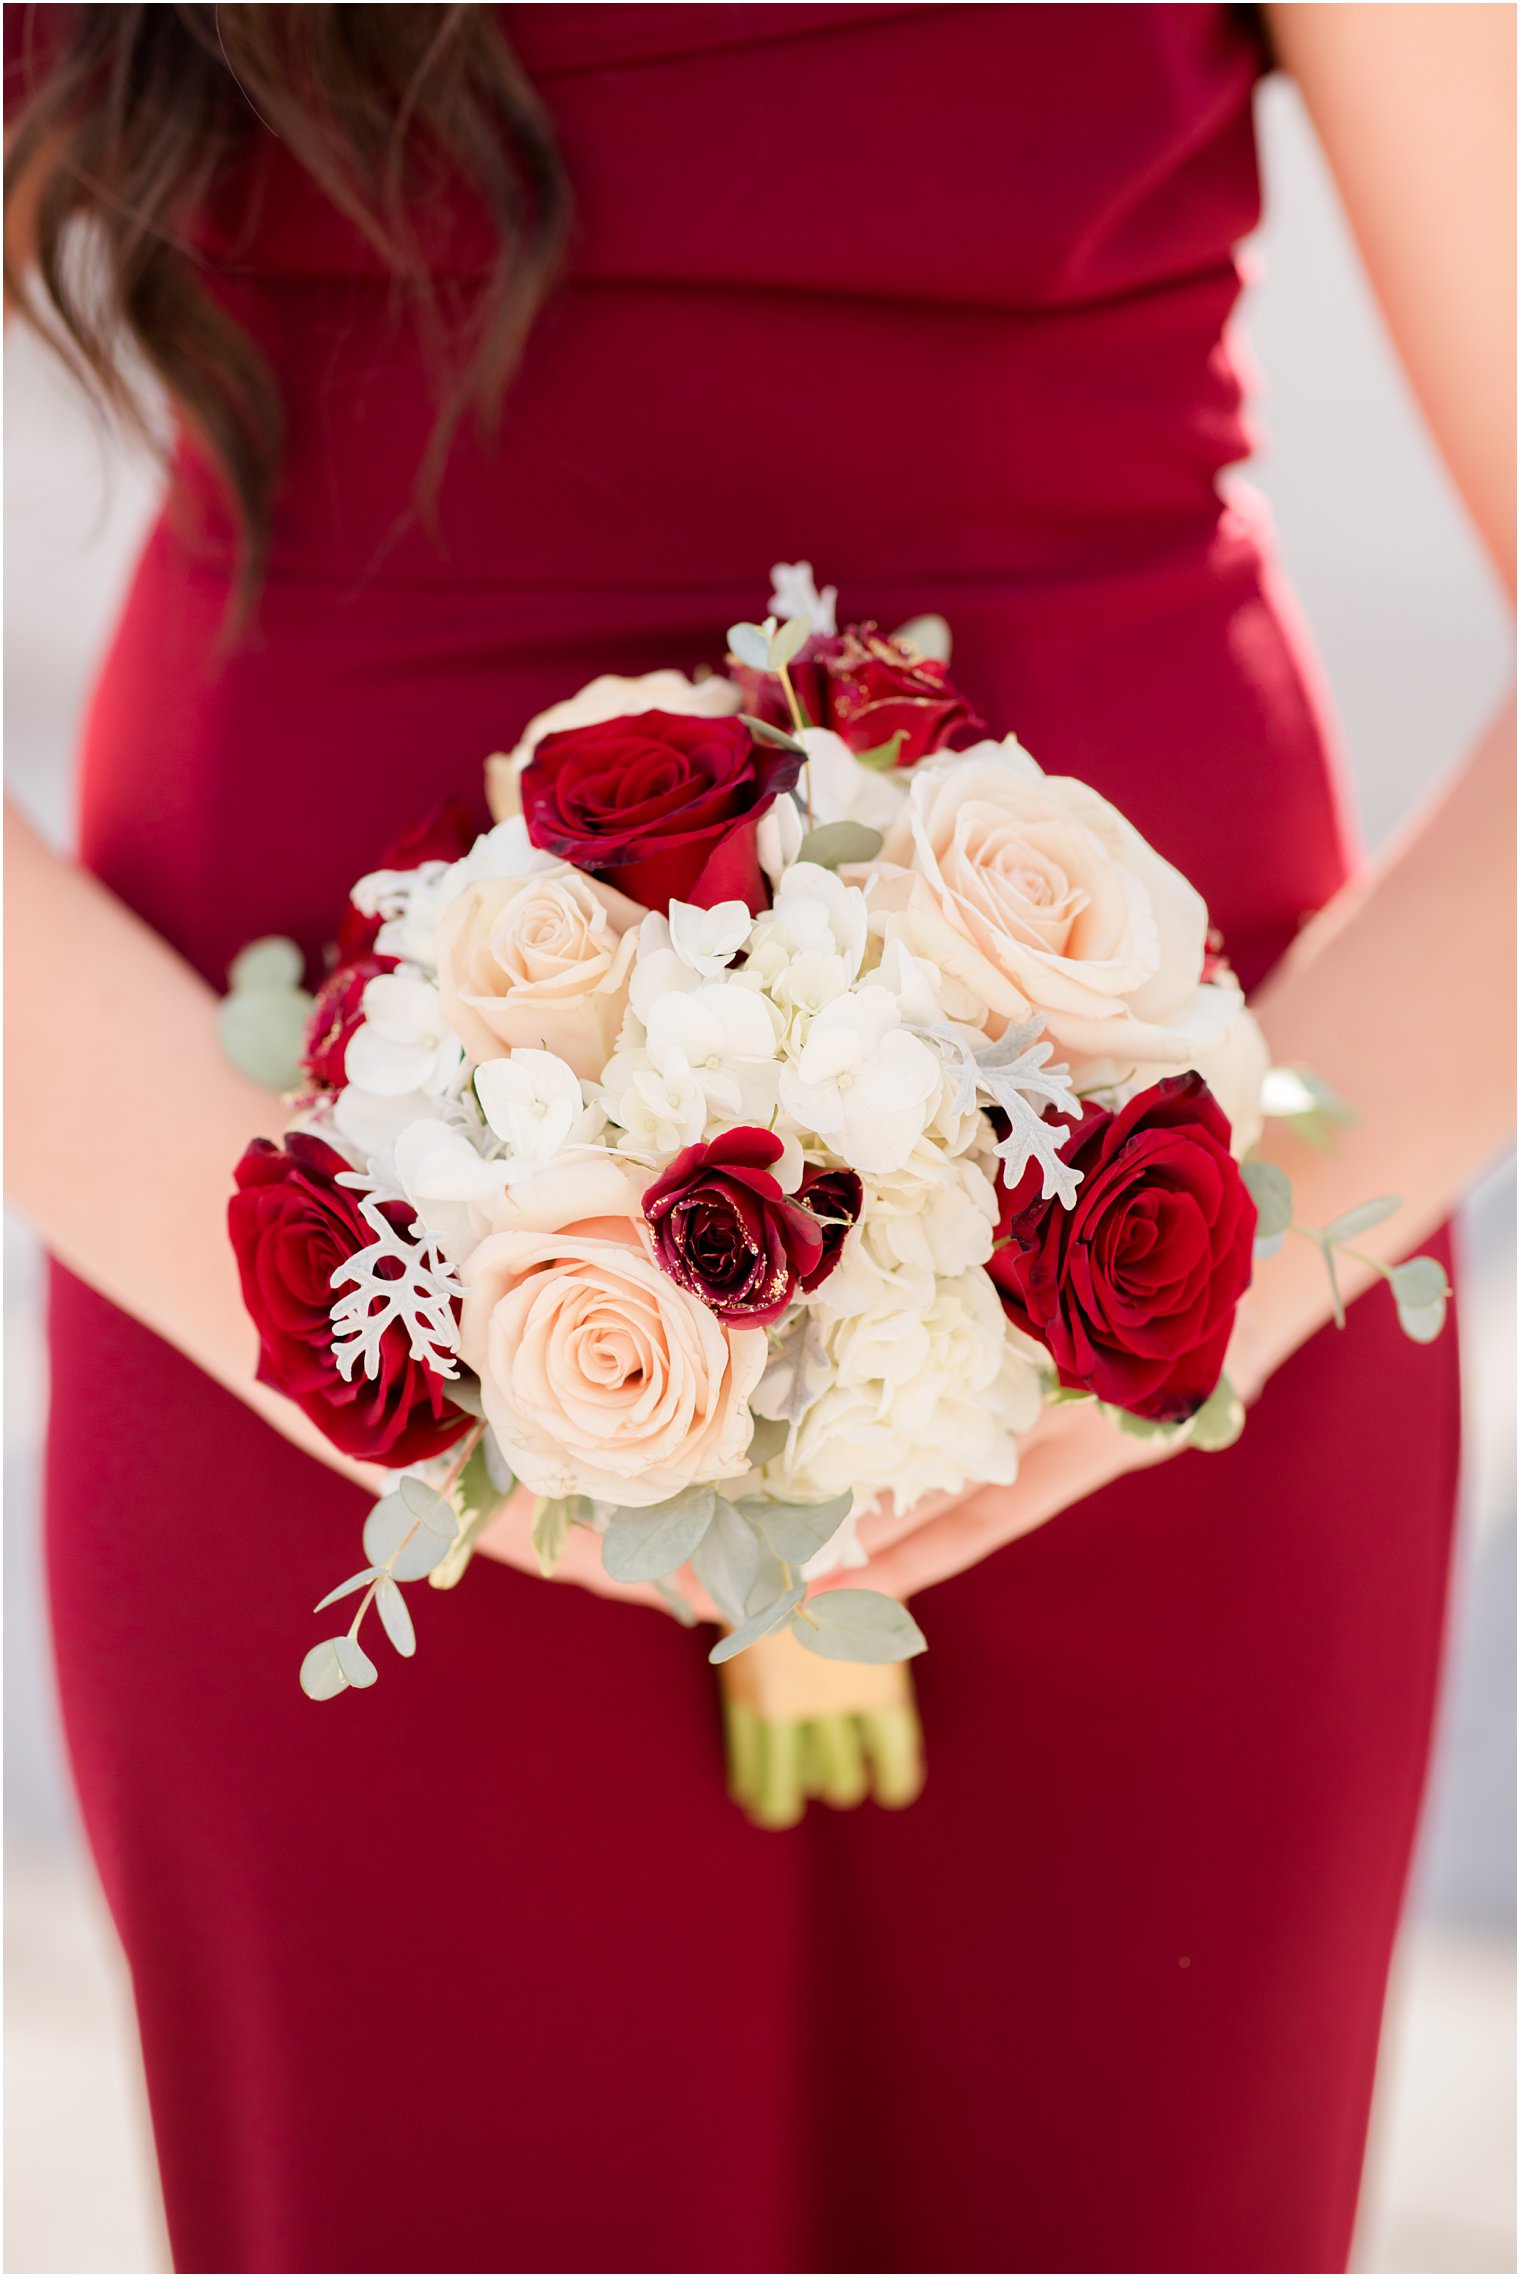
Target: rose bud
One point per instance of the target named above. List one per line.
(292, 1226)
(1132, 1291)
(834, 1197)
(870, 690)
(338, 1011)
(725, 1232)
(664, 806)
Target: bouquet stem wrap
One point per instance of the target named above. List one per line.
(797, 1727)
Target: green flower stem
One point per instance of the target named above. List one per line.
(799, 723)
(895, 1749)
(741, 1731)
(779, 1798)
(839, 1762)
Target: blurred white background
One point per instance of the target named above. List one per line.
(1416, 643)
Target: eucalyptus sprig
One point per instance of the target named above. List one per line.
(1420, 1287)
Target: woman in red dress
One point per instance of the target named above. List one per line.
(489, 1974)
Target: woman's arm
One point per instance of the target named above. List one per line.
(1401, 992)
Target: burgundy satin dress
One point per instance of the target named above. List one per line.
(481, 1971)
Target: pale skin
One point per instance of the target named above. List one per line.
(1415, 108)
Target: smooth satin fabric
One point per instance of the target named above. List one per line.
(480, 1971)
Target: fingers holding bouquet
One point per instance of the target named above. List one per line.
(801, 1146)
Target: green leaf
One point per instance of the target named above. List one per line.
(836, 842)
(428, 1506)
(762, 1624)
(727, 1559)
(403, 1541)
(1422, 1281)
(552, 1520)
(262, 1031)
(357, 1667)
(677, 1604)
(1271, 1190)
(788, 640)
(322, 1676)
(395, 1617)
(1360, 1220)
(751, 645)
(797, 1531)
(1143, 1426)
(464, 1391)
(767, 1439)
(764, 731)
(1220, 1420)
(859, 1625)
(645, 1545)
(273, 962)
(346, 1588)
(1420, 1290)
(882, 757)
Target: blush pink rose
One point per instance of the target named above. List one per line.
(541, 961)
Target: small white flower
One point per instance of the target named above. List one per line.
(862, 1082)
(838, 789)
(662, 1109)
(778, 836)
(793, 594)
(447, 1181)
(533, 1102)
(404, 1044)
(726, 1036)
(708, 939)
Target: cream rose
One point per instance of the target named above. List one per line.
(1234, 1071)
(606, 698)
(1031, 894)
(597, 1374)
(542, 961)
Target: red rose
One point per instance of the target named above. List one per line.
(870, 691)
(444, 835)
(338, 1011)
(663, 806)
(724, 1230)
(834, 1197)
(1133, 1290)
(292, 1225)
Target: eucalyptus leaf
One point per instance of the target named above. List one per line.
(402, 1542)
(767, 1439)
(788, 640)
(858, 1625)
(346, 1588)
(1360, 1220)
(273, 962)
(929, 634)
(357, 1667)
(1422, 1281)
(772, 1581)
(882, 757)
(751, 645)
(262, 1031)
(762, 1624)
(836, 842)
(797, 1531)
(1270, 1247)
(765, 731)
(395, 1617)
(475, 1490)
(428, 1506)
(322, 1676)
(1271, 1190)
(1422, 1324)
(677, 1604)
(1220, 1420)
(453, 1565)
(646, 1545)
(727, 1559)
(498, 1469)
(464, 1391)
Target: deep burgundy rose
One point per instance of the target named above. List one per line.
(869, 690)
(1133, 1290)
(338, 1011)
(444, 835)
(292, 1225)
(663, 806)
(724, 1230)
(834, 1197)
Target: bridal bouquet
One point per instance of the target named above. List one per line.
(789, 1096)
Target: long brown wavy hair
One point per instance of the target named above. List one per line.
(138, 112)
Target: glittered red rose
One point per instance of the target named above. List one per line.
(664, 806)
(879, 695)
(1133, 1290)
(292, 1226)
(726, 1232)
